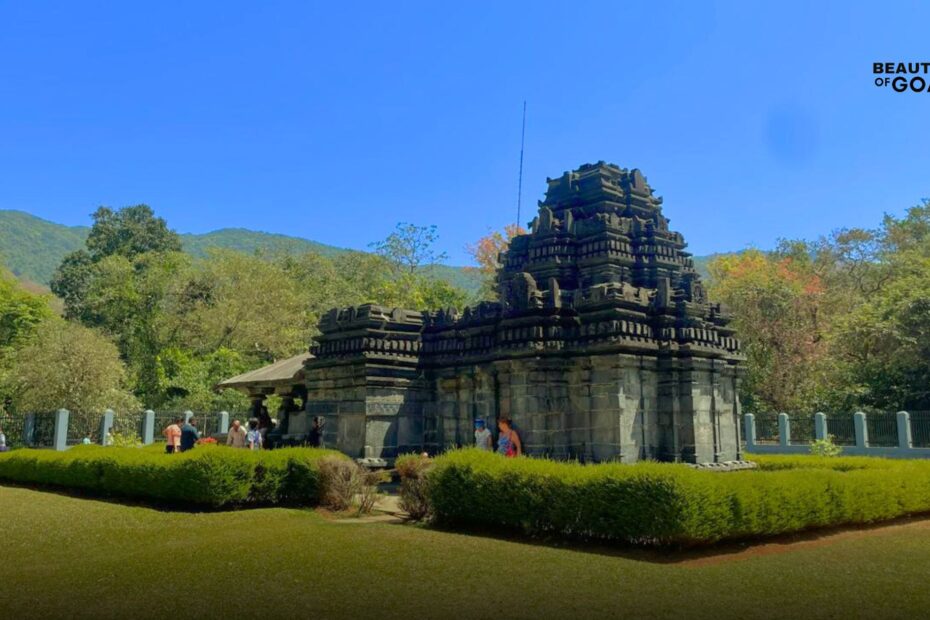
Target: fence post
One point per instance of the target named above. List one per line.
(862, 431)
(223, 426)
(820, 426)
(148, 427)
(106, 423)
(29, 430)
(60, 437)
(750, 422)
(784, 430)
(905, 441)
(188, 415)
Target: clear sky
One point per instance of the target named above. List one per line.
(334, 121)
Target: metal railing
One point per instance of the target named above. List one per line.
(882, 429)
(802, 429)
(13, 426)
(920, 429)
(767, 428)
(842, 427)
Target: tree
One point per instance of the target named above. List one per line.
(410, 248)
(73, 367)
(129, 233)
(775, 301)
(487, 251)
(21, 312)
(250, 305)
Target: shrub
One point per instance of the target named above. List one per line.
(340, 482)
(414, 485)
(346, 484)
(825, 447)
(659, 503)
(124, 440)
(210, 476)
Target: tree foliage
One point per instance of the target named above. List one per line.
(71, 366)
(487, 251)
(839, 323)
(181, 325)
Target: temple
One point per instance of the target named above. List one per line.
(602, 346)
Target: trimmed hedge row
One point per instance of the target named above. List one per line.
(659, 503)
(206, 476)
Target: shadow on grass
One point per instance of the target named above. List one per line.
(698, 554)
(152, 504)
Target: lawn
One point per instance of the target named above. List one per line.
(67, 556)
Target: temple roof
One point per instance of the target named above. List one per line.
(281, 373)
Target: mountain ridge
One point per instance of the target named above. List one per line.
(31, 247)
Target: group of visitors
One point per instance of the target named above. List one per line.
(238, 437)
(508, 440)
(181, 435)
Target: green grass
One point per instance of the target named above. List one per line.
(66, 556)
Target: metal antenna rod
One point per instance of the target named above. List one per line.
(520, 180)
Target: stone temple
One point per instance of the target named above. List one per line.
(602, 347)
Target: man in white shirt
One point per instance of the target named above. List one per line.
(236, 436)
(483, 439)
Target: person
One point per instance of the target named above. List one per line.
(3, 447)
(254, 436)
(316, 432)
(189, 435)
(236, 436)
(173, 437)
(86, 441)
(483, 440)
(508, 441)
(264, 422)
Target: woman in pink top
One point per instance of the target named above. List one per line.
(173, 437)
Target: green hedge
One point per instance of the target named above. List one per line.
(659, 503)
(212, 476)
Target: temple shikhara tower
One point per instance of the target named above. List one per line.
(603, 346)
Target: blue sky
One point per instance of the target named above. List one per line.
(334, 121)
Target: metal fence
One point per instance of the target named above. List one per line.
(843, 429)
(128, 423)
(766, 428)
(802, 429)
(13, 426)
(920, 428)
(882, 429)
(81, 427)
(42, 433)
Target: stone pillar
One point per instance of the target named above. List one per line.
(784, 430)
(904, 431)
(106, 425)
(820, 426)
(148, 427)
(60, 437)
(862, 431)
(223, 426)
(750, 422)
(188, 415)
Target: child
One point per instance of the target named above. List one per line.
(483, 439)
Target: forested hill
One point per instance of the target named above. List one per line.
(32, 248)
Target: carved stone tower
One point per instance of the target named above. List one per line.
(603, 346)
